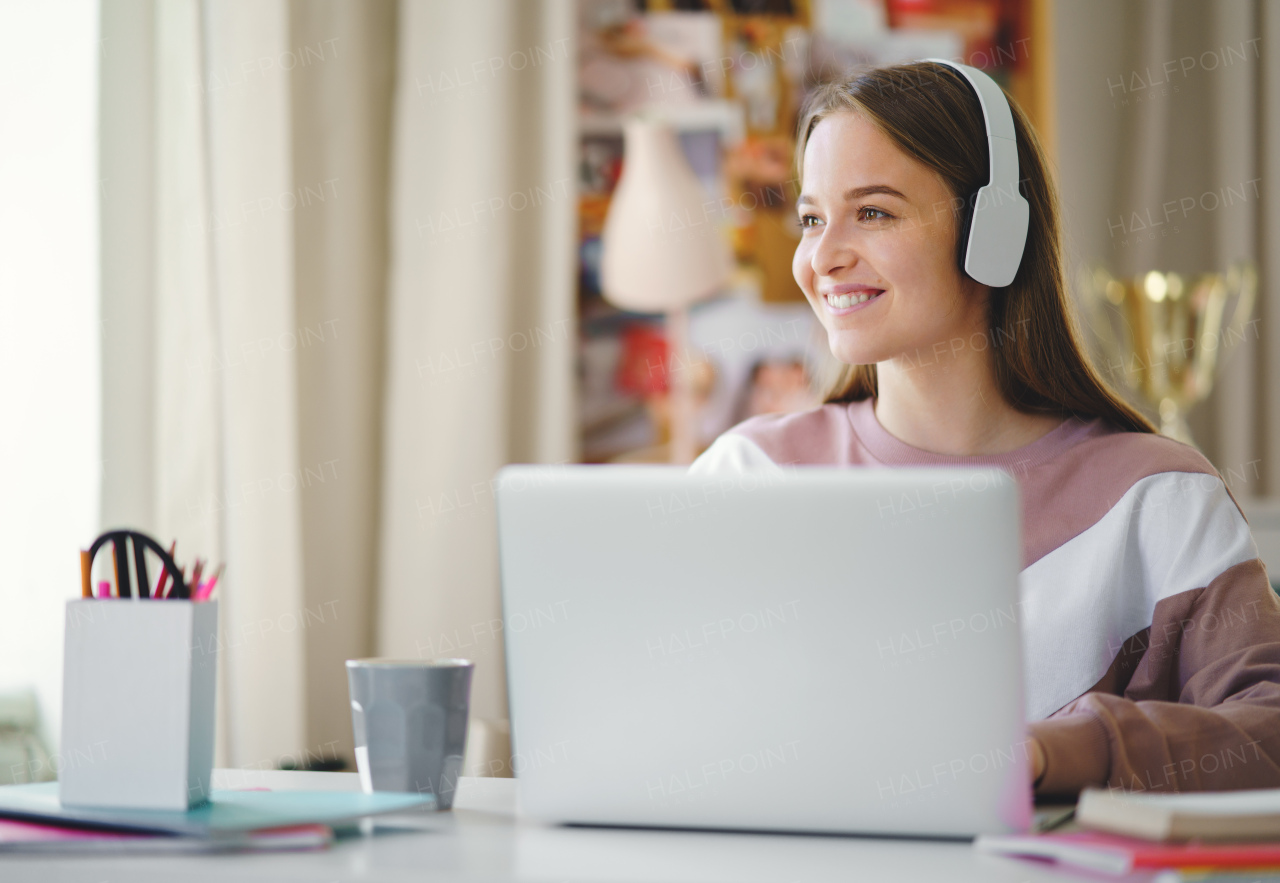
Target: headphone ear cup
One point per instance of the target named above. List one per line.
(966, 224)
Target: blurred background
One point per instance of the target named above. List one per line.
(288, 281)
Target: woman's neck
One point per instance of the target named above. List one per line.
(953, 407)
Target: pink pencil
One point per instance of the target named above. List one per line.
(162, 582)
(205, 591)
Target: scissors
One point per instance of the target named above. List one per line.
(120, 541)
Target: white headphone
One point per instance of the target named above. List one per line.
(994, 227)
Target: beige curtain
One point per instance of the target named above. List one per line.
(482, 330)
(270, 298)
(1177, 102)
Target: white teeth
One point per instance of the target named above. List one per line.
(840, 301)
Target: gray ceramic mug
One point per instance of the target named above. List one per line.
(410, 723)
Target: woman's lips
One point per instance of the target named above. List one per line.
(843, 304)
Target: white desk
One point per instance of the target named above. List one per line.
(483, 840)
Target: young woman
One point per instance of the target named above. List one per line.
(1151, 633)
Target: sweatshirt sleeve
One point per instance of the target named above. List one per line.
(1201, 710)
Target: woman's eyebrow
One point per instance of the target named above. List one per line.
(858, 193)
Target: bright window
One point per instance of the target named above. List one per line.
(49, 331)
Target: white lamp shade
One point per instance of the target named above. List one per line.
(662, 246)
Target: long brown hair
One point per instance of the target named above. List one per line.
(932, 114)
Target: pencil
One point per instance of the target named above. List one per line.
(86, 587)
(161, 587)
(205, 592)
(196, 570)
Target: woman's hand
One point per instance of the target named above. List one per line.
(1036, 756)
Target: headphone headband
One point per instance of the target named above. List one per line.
(997, 230)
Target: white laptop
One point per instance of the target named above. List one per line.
(821, 650)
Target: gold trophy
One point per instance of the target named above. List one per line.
(1164, 334)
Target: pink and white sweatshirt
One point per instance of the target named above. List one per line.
(1151, 633)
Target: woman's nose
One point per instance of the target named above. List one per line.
(833, 253)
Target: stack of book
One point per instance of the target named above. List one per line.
(1127, 832)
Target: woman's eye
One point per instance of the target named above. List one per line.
(866, 213)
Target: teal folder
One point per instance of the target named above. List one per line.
(225, 813)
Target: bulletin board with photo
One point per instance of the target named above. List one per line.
(730, 76)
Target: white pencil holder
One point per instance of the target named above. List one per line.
(138, 703)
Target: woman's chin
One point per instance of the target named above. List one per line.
(850, 353)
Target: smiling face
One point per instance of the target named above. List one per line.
(877, 228)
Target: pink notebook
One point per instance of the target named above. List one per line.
(18, 836)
